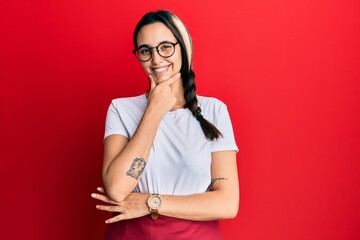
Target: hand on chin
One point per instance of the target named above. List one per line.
(159, 79)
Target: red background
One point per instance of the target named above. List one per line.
(288, 71)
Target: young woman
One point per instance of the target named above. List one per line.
(169, 169)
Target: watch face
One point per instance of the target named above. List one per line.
(154, 202)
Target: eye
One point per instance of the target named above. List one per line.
(144, 51)
(165, 46)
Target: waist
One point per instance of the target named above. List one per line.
(163, 228)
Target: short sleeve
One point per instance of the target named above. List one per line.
(223, 124)
(114, 123)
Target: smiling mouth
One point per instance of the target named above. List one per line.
(161, 69)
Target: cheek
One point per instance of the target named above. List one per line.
(177, 64)
(145, 66)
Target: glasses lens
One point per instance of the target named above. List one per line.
(143, 53)
(166, 49)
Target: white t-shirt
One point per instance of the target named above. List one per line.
(180, 157)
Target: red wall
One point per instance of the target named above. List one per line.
(288, 71)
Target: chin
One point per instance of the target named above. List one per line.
(160, 79)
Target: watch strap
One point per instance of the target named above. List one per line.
(154, 214)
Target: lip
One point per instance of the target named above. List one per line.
(161, 70)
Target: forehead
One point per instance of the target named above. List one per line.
(154, 33)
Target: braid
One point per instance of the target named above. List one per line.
(210, 131)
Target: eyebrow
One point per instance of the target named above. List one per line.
(148, 46)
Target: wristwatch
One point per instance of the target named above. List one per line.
(154, 203)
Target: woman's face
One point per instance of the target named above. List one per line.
(161, 68)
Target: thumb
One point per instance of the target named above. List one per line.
(152, 82)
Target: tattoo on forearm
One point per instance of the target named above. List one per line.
(137, 167)
(213, 180)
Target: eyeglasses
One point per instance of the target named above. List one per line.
(164, 49)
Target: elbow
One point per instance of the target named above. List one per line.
(231, 210)
(112, 192)
(114, 195)
(232, 213)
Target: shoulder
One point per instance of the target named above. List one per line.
(212, 108)
(136, 101)
(210, 104)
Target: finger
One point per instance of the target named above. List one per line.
(100, 189)
(102, 198)
(115, 219)
(108, 208)
(172, 79)
(152, 82)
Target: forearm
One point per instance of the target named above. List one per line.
(119, 177)
(201, 207)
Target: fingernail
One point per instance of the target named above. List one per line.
(106, 221)
(93, 195)
(99, 188)
(97, 206)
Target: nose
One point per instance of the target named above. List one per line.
(156, 56)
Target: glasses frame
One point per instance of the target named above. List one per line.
(151, 50)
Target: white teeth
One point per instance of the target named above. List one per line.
(162, 69)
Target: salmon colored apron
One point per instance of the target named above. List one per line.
(163, 228)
